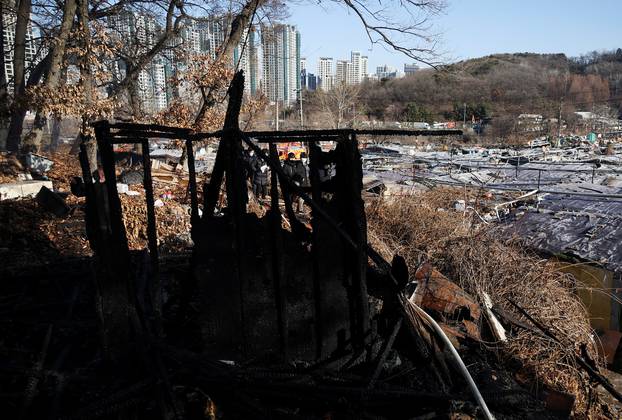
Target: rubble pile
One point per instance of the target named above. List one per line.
(172, 220)
(66, 166)
(22, 240)
(10, 168)
(486, 267)
(30, 235)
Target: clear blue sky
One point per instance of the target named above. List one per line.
(471, 28)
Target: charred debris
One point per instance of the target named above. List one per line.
(275, 315)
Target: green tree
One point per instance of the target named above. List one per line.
(417, 113)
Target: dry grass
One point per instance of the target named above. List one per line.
(471, 255)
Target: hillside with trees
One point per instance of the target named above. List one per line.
(498, 88)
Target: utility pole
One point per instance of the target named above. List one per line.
(561, 105)
(276, 120)
(464, 115)
(302, 123)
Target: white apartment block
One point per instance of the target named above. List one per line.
(139, 33)
(344, 72)
(387, 72)
(281, 63)
(9, 19)
(356, 71)
(410, 69)
(152, 88)
(325, 73)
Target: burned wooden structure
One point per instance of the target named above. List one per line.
(271, 316)
(265, 291)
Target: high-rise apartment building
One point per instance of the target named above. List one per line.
(410, 69)
(344, 72)
(386, 72)
(356, 70)
(281, 63)
(311, 81)
(353, 71)
(140, 32)
(325, 73)
(253, 63)
(9, 19)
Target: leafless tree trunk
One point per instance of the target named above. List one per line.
(338, 104)
(4, 94)
(19, 72)
(53, 77)
(240, 22)
(87, 82)
(55, 135)
(172, 28)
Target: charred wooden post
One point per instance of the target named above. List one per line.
(115, 286)
(350, 175)
(316, 194)
(152, 235)
(192, 183)
(277, 256)
(96, 221)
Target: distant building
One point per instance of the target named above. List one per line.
(595, 121)
(253, 82)
(308, 81)
(303, 73)
(303, 78)
(410, 69)
(357, 70)
(9, 19)
(363, 71)
(325, 73)
(344, 72)
(386, 72)
(351, 72)
(139, 33)
(311, 81)
(281, 62)
(530, 122)
(212, 35)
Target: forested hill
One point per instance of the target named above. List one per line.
(502, 86)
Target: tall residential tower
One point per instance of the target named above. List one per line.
(325, 73)
(281, 63)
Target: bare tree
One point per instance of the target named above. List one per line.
(68, 25)
(4, 94)
(19, 72)
(339, 104)
(403, 25)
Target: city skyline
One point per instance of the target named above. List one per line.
(470, 30)
(272, 64)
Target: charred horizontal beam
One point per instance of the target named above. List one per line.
(408, 132)
(309, 135)
(131, 134)
(148, 127)
(127, 133)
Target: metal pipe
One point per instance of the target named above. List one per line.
(461, 367)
